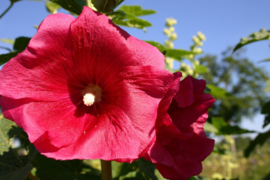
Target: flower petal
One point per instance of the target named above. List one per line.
(110, 136)
(97, 42)
(39, 71)
(145, 86)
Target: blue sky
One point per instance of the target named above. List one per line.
(223, 23)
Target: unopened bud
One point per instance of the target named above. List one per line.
(201, 36)
(170, 22)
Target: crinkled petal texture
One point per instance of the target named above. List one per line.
(180, 144)
(42, 89)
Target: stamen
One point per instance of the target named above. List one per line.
(88, 99)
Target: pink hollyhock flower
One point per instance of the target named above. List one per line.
(85, 89)
(180, 144)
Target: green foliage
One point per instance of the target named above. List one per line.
(266, 111)
(5, 126)
(226, 129)
(200, 69)
(210, 127)
(127, 16)
(21, 43)
(74, 6)
(50, 169)
(8, 41)
(263, 34)
(15, 164)
(106, 6)
(52, 7)
(136, 10)
(239, 86)
(177, 54)
(259, 140)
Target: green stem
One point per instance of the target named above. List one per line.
(106, 170)
(11, 4)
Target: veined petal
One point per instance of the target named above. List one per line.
(39, 71)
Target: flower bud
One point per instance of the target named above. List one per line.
(169, 61)
(201, 36)
(197, 50)
(166, 31)
(169, 44)
(173, 36)
(171, 29)
(170, 22)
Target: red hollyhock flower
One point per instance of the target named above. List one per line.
(180, 144)
(85, 89)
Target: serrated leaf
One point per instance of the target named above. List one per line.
(254, 37)
(200, 69)
(5, 126)
(21, 43)
(74, 6)
(259, 140)
(8, 41)
(6, 57)
(226, 129)
(136, 10)
(52, 7)
(209, 127)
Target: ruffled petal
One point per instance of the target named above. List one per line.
(97, 42)
(109, 136)
(39, 71)
(184, 117)
(144, 87)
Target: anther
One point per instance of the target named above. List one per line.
(88, 99)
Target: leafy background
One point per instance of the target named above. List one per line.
(234, 77)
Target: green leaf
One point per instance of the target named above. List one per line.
(13, 1)
(19, 174)
(106, 6)
(210, 127)
(266, 108)
(52, 7)
(6, 57)
(267, 88)
(217, 92)
(265, 60)
(74, 6)
(201, 69)
(259, 140)
(8, 41)
(266, 121)
(177, 54)
(50, 169)
(263, 34)
(136, 10)
(226, 129)
(21, 43)
(130, 21)
(5, 126)
(160, 47)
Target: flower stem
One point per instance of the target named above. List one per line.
(106, 170)
(11, 4)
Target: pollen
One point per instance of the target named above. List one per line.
(88, 99)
